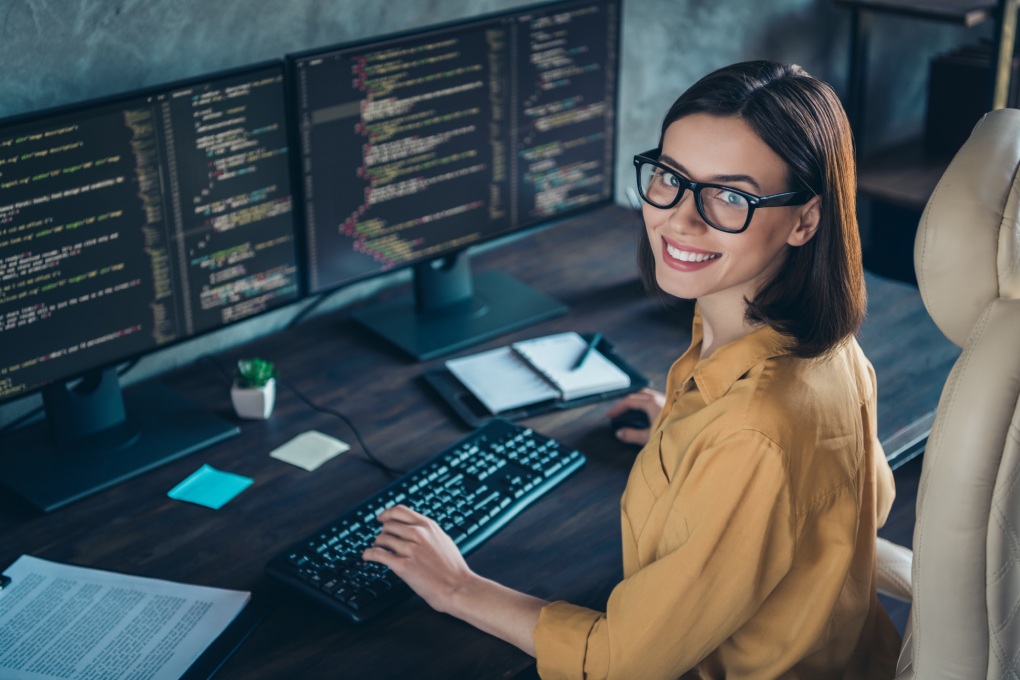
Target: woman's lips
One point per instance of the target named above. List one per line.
(686, 259)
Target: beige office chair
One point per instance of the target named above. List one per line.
(964, 580)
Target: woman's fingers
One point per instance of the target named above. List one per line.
(629, 435)
(649, 402)
(421, 553)
(404, 530)
(646, 400)
(401, 513)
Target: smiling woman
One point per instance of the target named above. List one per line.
(791, 133)
(750, 516)
(712, 230)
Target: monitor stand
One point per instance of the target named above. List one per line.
(93, 438)
(451, 309)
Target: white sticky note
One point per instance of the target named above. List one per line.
(309, 450)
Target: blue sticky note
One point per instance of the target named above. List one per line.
(210, 487)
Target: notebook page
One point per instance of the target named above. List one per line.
(555, 356)
(501, 380)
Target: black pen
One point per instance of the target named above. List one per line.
(595, 340)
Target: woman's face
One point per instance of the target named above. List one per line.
(695, 261)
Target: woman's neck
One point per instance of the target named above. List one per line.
(722, 321)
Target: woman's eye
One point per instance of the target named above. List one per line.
(732, 199)
(667, 179)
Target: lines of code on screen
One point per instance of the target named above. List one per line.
(417, 147)
(127, 226)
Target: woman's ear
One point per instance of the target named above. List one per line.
(808, 217)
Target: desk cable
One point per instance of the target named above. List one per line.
(390, 471)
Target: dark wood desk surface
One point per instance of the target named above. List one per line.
(566, 546)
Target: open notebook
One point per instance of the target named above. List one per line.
(538, 370)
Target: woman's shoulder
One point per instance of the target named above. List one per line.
(797, 402)
(843, 374)
(811, 408)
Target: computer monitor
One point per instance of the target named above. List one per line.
(126, 225)
(414, 147)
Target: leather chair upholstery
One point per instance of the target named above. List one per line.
(964, 575)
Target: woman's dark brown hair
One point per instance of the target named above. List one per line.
(817, 298)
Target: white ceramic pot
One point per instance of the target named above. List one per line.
(254, 403)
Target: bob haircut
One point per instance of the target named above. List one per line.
(817, 298)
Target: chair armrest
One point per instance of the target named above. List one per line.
(893, 564)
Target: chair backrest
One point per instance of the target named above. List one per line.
(965, 617)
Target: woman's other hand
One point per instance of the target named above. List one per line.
(647, 401)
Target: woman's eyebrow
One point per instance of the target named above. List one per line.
(716, 179)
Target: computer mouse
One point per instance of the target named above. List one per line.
(632, 418)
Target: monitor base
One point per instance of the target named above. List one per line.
(499, 304)
(160, 426)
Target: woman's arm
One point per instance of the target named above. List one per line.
(732, 543)
(426, 558)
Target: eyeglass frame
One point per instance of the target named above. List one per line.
(785, 198)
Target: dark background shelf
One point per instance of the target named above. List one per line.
(963, 12)
(895, 183)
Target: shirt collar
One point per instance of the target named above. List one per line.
(715, 375)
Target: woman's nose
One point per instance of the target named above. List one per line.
(685, 213)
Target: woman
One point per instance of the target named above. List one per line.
(750, 515)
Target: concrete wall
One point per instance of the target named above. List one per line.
(54, 52)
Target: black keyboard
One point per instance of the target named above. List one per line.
(471, 489)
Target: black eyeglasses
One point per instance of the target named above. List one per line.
(723, 208)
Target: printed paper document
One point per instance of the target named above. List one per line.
(62, 621)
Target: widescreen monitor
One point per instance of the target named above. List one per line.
(127, 225)
(416, 146)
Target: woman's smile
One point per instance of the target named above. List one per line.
(695, 261)
(686, 258)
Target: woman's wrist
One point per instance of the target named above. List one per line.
(495, 609)
(465, 596)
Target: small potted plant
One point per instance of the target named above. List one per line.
(254, 390)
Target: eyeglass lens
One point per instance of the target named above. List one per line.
(719, 206)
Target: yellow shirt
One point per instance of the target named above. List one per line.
(749, 524)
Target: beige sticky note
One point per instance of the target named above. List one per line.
(309, 450)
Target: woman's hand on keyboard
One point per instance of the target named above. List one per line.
(421, 554)
(427, 559)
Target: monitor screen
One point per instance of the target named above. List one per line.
(414, 147)
(129, 225)
(137, 221)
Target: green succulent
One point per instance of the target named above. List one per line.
(255, 372)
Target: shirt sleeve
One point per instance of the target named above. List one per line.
(730, 540)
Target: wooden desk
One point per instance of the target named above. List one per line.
(566, 546)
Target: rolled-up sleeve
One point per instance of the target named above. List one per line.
(731, 541)
(561, 639)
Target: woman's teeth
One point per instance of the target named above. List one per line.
(686, 256)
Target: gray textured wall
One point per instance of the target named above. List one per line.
(54, 52)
